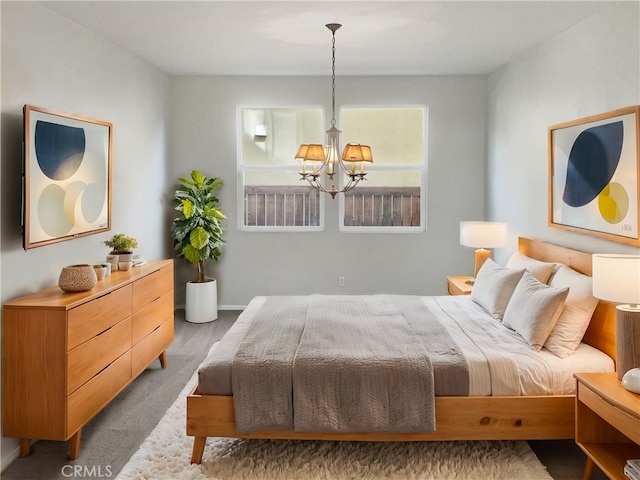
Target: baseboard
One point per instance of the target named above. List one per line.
(7, 460)
(220, 307)
(231, 307)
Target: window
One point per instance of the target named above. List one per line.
(391, 199)
(271, 192)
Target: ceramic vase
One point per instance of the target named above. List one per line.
(77, 278)
(101, 271)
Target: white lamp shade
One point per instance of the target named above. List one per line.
(616, 278)
(483, 234)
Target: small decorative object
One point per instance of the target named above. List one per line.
(100, 270)
(125, 266)
(113, 261)
(77, 278)
(107, 267)
(120, 243)
(631, 380)
(122, 248)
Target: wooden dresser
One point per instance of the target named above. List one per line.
(67, 355)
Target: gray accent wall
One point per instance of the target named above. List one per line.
(591, 68)
(50, 62)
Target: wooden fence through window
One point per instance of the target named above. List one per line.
(281, 206)
(382, 207)
(275, 205)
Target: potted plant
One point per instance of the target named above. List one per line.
(121, 251)
(197, 236)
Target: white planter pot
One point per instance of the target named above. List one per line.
(201, 304)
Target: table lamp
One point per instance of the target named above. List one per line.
(482, 235)
(616, 278)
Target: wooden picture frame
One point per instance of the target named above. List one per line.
(594, 174)
(67, 176)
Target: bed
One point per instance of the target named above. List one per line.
(479, 417)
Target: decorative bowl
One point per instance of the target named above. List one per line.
(77, 278)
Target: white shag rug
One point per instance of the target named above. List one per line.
(166, 454)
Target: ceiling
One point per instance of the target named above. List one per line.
(289, 37)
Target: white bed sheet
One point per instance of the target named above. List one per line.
(478, 334)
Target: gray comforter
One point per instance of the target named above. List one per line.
(344, 363)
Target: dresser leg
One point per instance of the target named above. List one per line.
(198, 449)
(74, 445)
(163, 359)
(25, 447)
(588, 469)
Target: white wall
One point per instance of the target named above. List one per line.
(50, 62)
(203, 136)
(591, 68)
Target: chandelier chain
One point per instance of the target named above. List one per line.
(333, 81)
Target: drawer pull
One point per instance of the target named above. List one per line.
(103, 369)
(105, 331)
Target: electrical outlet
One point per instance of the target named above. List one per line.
(341, 281)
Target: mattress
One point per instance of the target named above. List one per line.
(483, 339)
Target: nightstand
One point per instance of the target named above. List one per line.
(458, 285)
(607, 423)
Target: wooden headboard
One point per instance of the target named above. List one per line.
(601, 333)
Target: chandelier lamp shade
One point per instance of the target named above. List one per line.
(322, 164)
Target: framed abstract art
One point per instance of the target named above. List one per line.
(67, 176)
(594, 173)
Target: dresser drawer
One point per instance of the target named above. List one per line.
(88, 320)
(84, 361)
(147, 289)
(89, 399)
(146, 320)
(151, 347)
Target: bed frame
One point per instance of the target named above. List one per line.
(457, 418)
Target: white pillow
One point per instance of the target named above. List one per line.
(494, 286)
(540, 270)
(534, 309)
(576, 315)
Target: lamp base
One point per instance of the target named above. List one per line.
(481, 255)
(627, 340)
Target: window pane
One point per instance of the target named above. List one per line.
(385, 199)
(394, 134)
(278, 198)
(270, 190)
(392, 194)
(271, 136)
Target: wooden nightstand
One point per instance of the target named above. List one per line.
(607, 423)
(457, 285)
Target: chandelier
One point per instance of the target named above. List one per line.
(325, 161)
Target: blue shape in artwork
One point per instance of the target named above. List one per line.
(59, 149)
(594, 157)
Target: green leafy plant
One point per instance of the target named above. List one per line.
(197, 232)
(120, 243)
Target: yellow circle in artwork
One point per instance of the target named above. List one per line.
(613, 203)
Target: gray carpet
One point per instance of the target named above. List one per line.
(109, 440)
